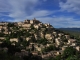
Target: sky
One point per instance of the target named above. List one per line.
(59, 13)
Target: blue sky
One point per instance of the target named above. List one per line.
(59, 13)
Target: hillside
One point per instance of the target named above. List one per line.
(71, 29)
(34, 40)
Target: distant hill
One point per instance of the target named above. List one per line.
(70, 29)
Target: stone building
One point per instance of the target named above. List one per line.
(78, 48)
(34, 21)
(14, 40)
(2, 38)
(20, 23)
(26, 25)
(28, 38)
(58, 41)
(27, 22)
(42, 35)
(3, 23)
(70, 41)
(67, 36)
(36, 26)
(49, 36)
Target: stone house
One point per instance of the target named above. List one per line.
(13, 44)
(3, 23)
(56, 53)
(1, 27)
(55, 34)
(49, 45)
(77, 48)
(45, 56)
(20, 23)
(36, 26)
(28, 38)
(27, 21)
(39, 49)
(47, 24)
(37, 36)
(27, 29)
(58, 41)
(40, 25)
(60, 34)
(64, 47)
(49, 36)
(6, 32)
(26, 25)
(35, 53)
(42, 35)
(73, 44)
(67, 36)
(70, 41)
(4, 27)
(2, 38)
(13, 39)
(1, 42)
(43, 29)
(34, 21)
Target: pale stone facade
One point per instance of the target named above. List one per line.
(14, 40)
(58, 41)
(42, 35)
(3, 23)
(60, 34)
(71, 41)
(49, 37)
(28, 38)
(1, 27)
(64, 47)
(20, 23)
(36, 26)
(26, 25)
(27, 21)
(78, 48)
(2, 38)
(67, 36)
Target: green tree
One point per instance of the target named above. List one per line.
(48, 49)
(69, 51)
(72, 58)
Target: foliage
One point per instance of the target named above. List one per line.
(42, 41)
(69, 51)
(50, 48)
(72, 58)
(5, 56)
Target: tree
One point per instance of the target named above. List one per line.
(42, 41)
(50, 48)
(69, 51)
(58, 57)
(72, 58)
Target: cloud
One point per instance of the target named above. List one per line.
(40, 13)
(70, 6)
(18, 9)
(4, 6)
(61, 21)
(22, 8)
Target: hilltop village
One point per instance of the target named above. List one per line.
(35, 37)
